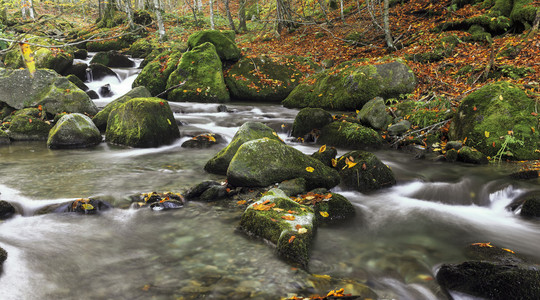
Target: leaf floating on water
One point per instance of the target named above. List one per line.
(322, 149)
(487, 245)
(310, 169)
(324, 214)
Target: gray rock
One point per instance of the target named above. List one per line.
(73, 131)
(374, 115)
(399, 128)
(308, 119)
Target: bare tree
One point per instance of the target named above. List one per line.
(242, 26)
(386, 22)
(161, 28)
(212, 25)
(27, 9)
(229, 16)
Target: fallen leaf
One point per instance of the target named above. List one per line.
(508, 250)
(292, 239)
(324, 214)
(87, 206)
(322, 149)
(310, 169)
(288, 218)
(488, 244)
(28, 57)
(302, 230)
(486, 133)
(241, 202)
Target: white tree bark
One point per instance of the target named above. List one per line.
(212, 25)
(386, 24)
(161, 28)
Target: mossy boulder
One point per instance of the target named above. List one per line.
(490, 280)
(200, 75)
(54, 59)
(470, 155)
(112, 59)
(140, 49)
(25, 127)
(531, 205)
(78, 82)
(497, 119)
(247, 132)
(364, 172)
(143, 123)
(73, 131)
(155, 74)
(349, 135)
(374, 115)
(326, 155)
(308, 119)
(4, 138)
(79, 70)
(108, 45)
(225, 46)
(100, 119)
(262, 78)
(284, 223)
(100, 71)
(349, 86)
(263, 162)
(329, 208)
(54, 93)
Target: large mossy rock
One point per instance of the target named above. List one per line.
(54, 59)
(263, 78)
(143, 123)
(200, 77)
(329, 208)
(308, 119)
(73, 131)
(225, 46)
(350, 86)
(54, 93)
(24, 127)
(286, 224)
(112, 59)
(364, 172)
(349, 135)
(374, 115)
(154, 75)
(486, 117)
(491, 280)
(100, 119)
(263, 162)
(247, 132)
(531, 204)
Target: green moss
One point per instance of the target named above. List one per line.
(142, 122)
(350, 135)
(225, 46)
(155, 74)
(107, 45)
(262, 78)
(308, 119)
(73, 131)
(140, 49)
(470, 155)
(490, 113)
(200, 73)
(247, 132)
(364, 172)
(100, 119)
(54, 59)
(338, 208)
(27, 127)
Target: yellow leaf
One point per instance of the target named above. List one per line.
(324, 214)
(310, 169)
(322, 149)
(211, 138)
(28, 57)
(302, 230)
(334, 162)
(87, 206)
(293, 80)
(241, 202)
(532, 129)
(288, 218)
(278, 209)
(500, 97)
(486, 133)
(169, 121)
(508, 250)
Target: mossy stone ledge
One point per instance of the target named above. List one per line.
(364, 171)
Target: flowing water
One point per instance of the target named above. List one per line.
(398, 239)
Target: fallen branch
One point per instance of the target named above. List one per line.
(171, 88)
(426, 131)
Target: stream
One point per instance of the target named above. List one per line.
(401, 235)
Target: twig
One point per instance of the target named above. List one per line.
(171, 88)
(426, 130)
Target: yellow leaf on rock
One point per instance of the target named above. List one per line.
(322, 149)
(87, 206)
(310, 169)
(486, 133)
(28, 57)
(324, 214)
(302, 230)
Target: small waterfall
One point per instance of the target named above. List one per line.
(89, 75)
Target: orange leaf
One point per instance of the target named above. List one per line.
(241, 202)
(298, 226)
(364, 167)
(474, 108)
(292, 239)
(488, 245)
(29, 120)
(322, 149)
(288, 218)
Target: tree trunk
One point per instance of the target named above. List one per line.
(341, 10)
(387, 33)
(129, 12)
(536, 22)
(283, 16)
(212, 26)
(161, 28)
(194, 12)
(242, 27)
(229, 16)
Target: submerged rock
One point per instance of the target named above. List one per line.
(142, 122)
(263, 162)
(161, 201)
(6, 211)
(247, 132)
(73, 131)
(363, 171)
(206, 140)
(288, 225)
